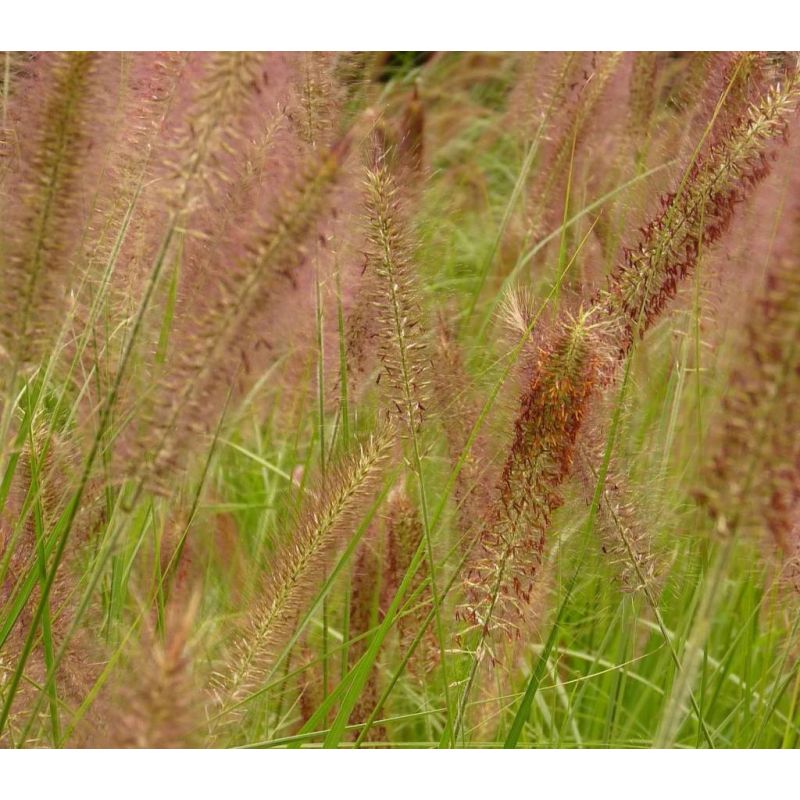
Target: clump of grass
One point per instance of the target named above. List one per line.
(271, 476)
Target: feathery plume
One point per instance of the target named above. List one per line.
(643, 95)
(624, 540)
(403, 535)
(570, 366)
(204, 364)
(149, 84)
(317, 109)
(402, 348)
(456, 404)
(159, 707)
(41, 208)
(567, 132)
(411, 146)
(753, 480)
(325, 525)
(310, 683)
(501, 577)
(365, 591)
(365, 604)
(697, 214)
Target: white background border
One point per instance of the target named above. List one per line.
(399, 24)
(378, 25)
(399, 774)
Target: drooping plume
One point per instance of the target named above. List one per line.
(696, 214)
